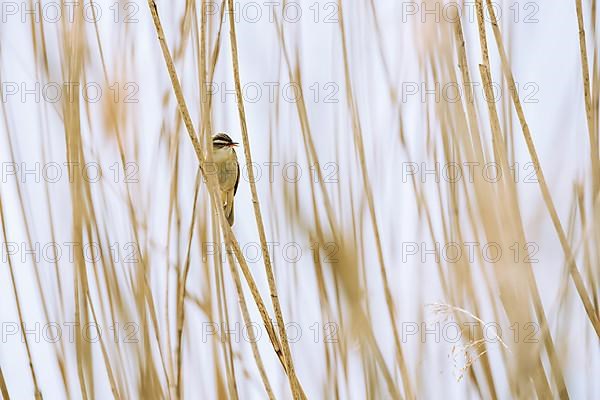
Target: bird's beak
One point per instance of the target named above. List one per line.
(234, 144)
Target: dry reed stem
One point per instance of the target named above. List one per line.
(3, 389)
(247, 320)
(230, 364)
(180, 307)
(585, 71)
(228, 233)
(205, 130)
(297, 390)
(369, 194)
(130, 204)
(37, 392)
(500, 152)
(499, 147)
(575, 275)
(305, 127)
(452, 134)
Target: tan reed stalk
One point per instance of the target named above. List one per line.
(3, 389)
(501, 155)
(227, 232)
(13, 281)
(585, 71)
(575, 275)
(408, 392)
(297, 390)
(247, 320)
(181, 287)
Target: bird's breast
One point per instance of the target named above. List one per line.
(226, 167)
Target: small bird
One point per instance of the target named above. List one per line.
(227, 170)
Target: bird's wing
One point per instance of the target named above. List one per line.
(237, 179)
(228, 205)
(230, 208)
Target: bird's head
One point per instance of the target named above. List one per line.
(222, 140)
